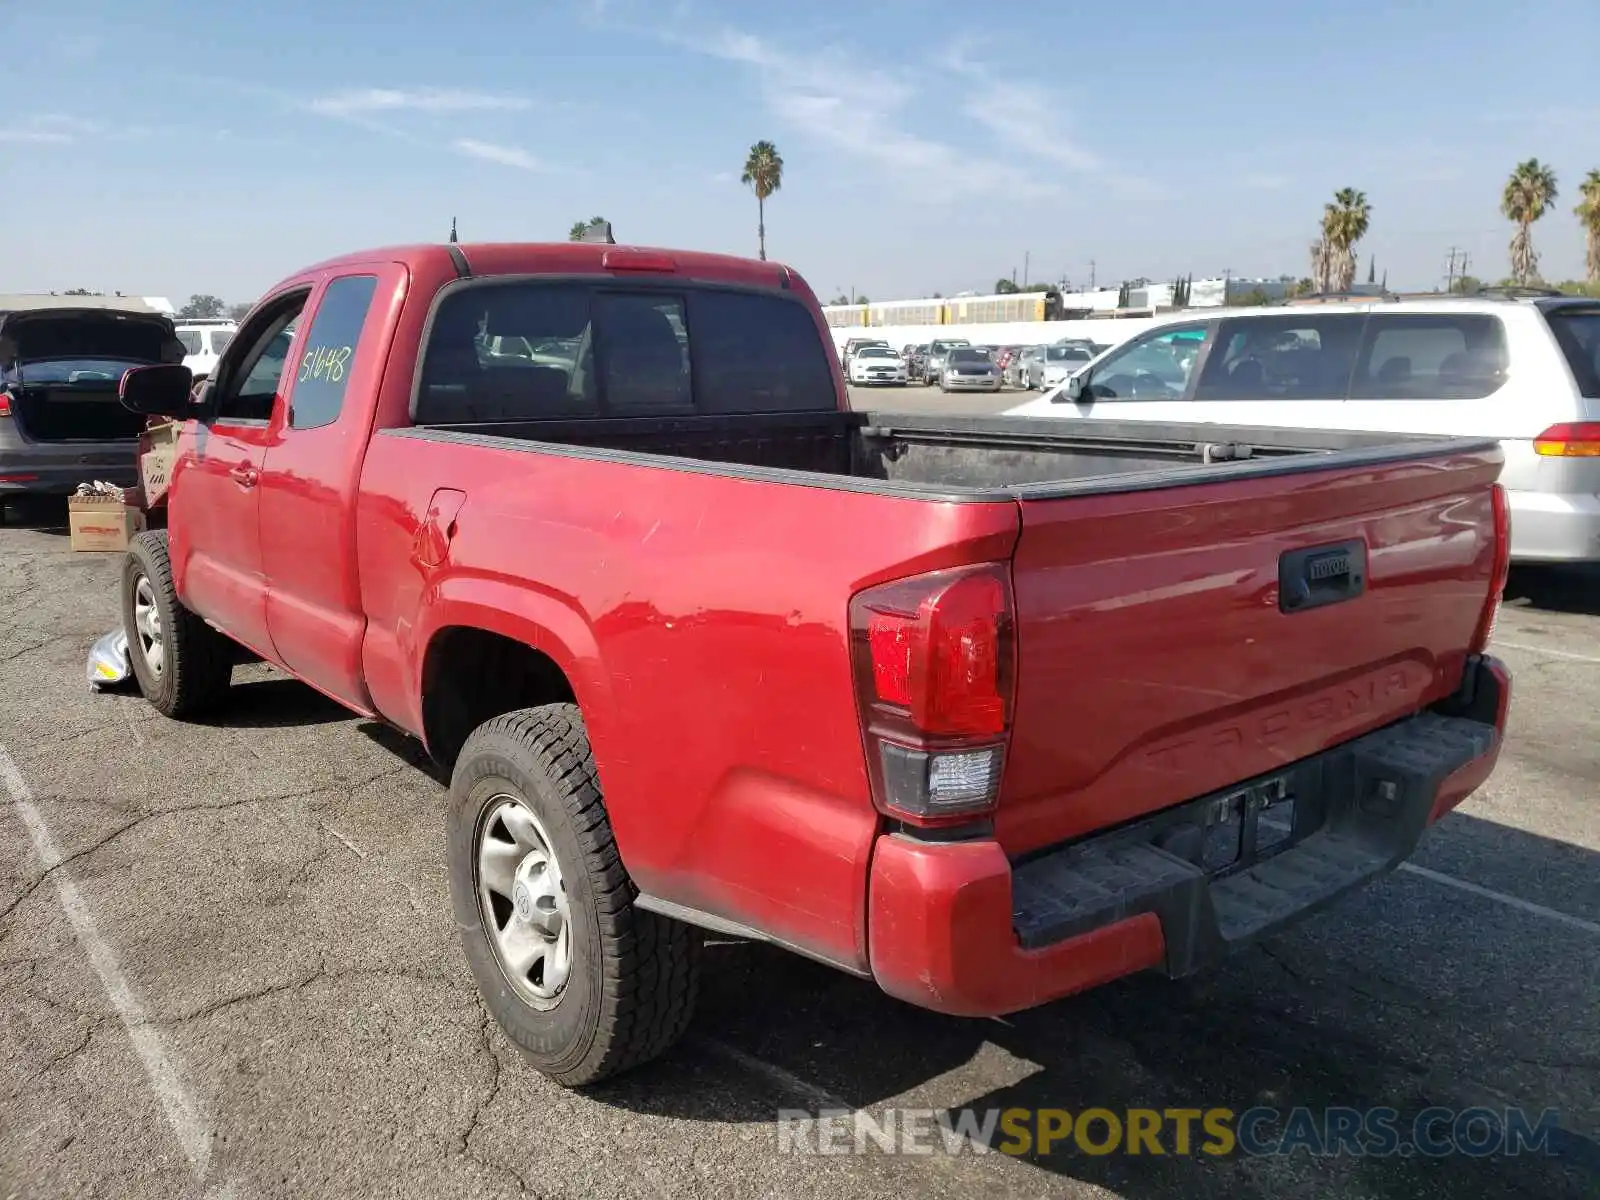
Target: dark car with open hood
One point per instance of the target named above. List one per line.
(61, 359)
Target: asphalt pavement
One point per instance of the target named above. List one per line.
(228, 969)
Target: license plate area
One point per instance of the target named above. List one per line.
(1247, 825)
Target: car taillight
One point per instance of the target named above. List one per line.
(1580, 439)
(935, 669)
(1500, 572)
(5, 404)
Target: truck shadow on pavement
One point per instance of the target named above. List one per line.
(1410, 996)
(276, 702)
(1555, 589)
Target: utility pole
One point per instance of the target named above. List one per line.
(1091, 275)
(1025, 268)
(1456, 269)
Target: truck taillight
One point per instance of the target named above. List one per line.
(1580, 439)
(934, 659)
(1500, 573)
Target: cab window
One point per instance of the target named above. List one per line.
(250, 377)
(1154, 367)
(330, 347)
(1297, 357)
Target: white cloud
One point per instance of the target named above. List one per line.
(858, 110)
(1025, 117)
(509, 156)
(365, 101)
(54, 129)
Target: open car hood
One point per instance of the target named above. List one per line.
(87, 333)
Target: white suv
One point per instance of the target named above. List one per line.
(203, 343)
(1518, 367)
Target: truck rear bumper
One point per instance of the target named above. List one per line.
(959, 928)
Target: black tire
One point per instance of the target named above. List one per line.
(197, 661)
(634, 978)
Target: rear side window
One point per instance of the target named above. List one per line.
(1577, 331)
(190, 339)
(527, 351)
(329, 354)
(1282, 358)
(1426, 356)
(220, 339)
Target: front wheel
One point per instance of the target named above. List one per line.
(584, 982)
(183, 666)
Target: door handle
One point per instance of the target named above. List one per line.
(1320, 575)
(245, 475)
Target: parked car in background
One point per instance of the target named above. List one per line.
(933, 362)
(1004, 356)
(1054, 365)
(1021, 364)
(203, 343)
(877, 365)
(942, 702)
(61, 359)
(969, 369)
(916, 362)
(854, 344)
(1524, 370)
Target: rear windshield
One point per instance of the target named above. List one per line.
(585, 350)
(1578, 332)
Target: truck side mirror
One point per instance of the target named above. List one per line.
(157, 391)
(1074, 389)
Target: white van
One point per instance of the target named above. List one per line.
(203, 342)
(1523, 369)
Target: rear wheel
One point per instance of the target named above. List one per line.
(584, 982)
(183, 666)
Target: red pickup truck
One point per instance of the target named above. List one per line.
(982, 709)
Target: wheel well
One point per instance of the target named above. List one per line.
(471, 676)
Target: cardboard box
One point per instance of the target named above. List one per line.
(100, 525)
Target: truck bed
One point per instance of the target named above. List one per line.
(956, 457)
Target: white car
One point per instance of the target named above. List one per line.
(1055, 363)
(203, 343)
(877, 364)
(1521, 369)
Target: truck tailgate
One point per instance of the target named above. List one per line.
(1156, 664)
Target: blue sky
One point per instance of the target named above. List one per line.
(171, 148)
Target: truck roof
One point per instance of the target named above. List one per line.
(540, 258)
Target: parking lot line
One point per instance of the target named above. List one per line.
(1567, 654)
(1527, 906)
(186, 1118)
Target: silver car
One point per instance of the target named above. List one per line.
(1020, 370)
(1051, 368)
(968, 369)
(933, 364)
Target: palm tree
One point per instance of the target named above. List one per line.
(1529, 192)
(1588, 211)
(579, 228)
(763, 173)
(1344, 223)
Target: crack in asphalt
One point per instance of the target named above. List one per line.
(145, 816)
(322, 974)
